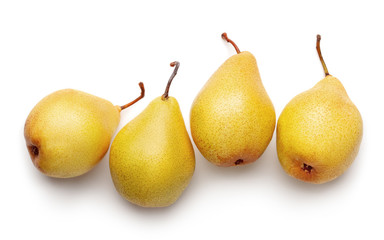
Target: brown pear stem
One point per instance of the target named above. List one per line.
(137, 99)
(320, 55)
(175, 64)
(225, 37)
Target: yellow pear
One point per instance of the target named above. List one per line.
(68, 132)
(152, 159)
(232, 118)
(319, 131)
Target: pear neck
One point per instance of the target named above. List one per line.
(330, 83)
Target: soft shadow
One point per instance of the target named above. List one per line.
(89, 178)
(95, 178)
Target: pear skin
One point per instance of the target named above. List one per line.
(319, 132)
(232, 118)
(68, 132)
(152, 158)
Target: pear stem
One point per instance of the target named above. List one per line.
(320, 55)
(225, 37)
(142, 94)
(175, 64)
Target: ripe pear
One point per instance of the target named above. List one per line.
(69, 131)
(152, 159)
(319, 131)
(232, 118)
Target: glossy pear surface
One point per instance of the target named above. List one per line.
(152, 159)
(319, 133)
(232, 118)
(68, 132)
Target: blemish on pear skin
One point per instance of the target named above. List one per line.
(33, 151)
(239, 161)
(307, 168)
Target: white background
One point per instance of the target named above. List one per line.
(106, 47)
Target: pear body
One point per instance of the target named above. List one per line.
(152, 159)
(319, 133)
(68, 132)
(232, 118)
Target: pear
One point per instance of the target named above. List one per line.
(152, 158)
(232, 118)
(69, 131)
(319, 131)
